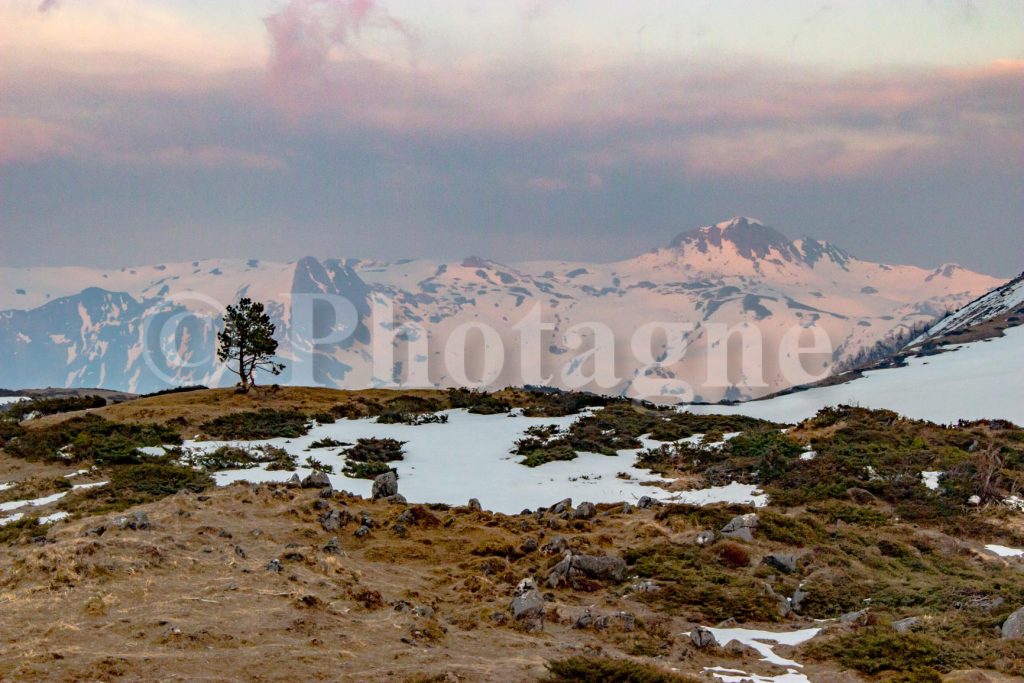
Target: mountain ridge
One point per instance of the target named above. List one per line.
(56, 328)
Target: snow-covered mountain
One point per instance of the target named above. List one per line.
(147, 327)
(969, 365)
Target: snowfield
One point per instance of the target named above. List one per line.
(470, 457)
(983, 379)
(7, 400)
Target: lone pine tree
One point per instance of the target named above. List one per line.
(247, 342)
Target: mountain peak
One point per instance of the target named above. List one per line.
(751, 239)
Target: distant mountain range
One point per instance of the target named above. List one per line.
(145, 328)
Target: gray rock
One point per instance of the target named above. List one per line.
(385, 485)
(95, 531)
(365, 519)
(906, 625)
(644, 586)
(854, 618)
(529, 545)
(275, 566)
(474, 505)
(798, 598)
(397, 498)
(555, 546)
(627, 508)
(647, 502)
(316, 480)
(585, 511)
(527, 602)
(401, 531)
(624, 620)
(604, 568)
(784, 562)
(1013, 627)
(706, 538)
(332, 520)
(585, 620)
(562, 506)
(362, 532)
(327, 492)
(294, 482)
(741, 527)
(136, 521)
(333, 546)
(702, 638)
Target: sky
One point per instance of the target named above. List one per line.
(150, 131)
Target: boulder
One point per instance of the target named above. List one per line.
(333, 546)
(555, 546)
(561, 506)
(857, 618)
(584, 620)
(1013, 627)
(573, 567)
(784, 562)
(362, 532)
(585, 511)
(136, 521)
(705, 538)
(293, 482)
(647, 502)
(332, 520)
(741, 527)
(528, 604)
(385, 485)
(316, 480)
(474, 505)
(906, 625)
(703, 638)
(275, 566)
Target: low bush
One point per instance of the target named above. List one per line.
(262, 424)
(131, 485)
(369, 458)
(90, 437)
(54, 406)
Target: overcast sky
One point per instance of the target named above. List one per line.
(146, 131)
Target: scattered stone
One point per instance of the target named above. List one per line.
(423, 611)
(293, 483)
(857, 618)
(365, 519)
(527, 605)
(562, 506)
(585, 511)
(784, 562)
(474, 505)
(136, 521)
(275, 566)
(585, 620)
(574, 567)
(240, 551)
(706, 538)
(799, 595)
(316, 480)
(333, 546)
(741, 527)
(401, 531)
(906, 625)
(327, 491)
(974, 500)
(1013, 627)
(647, 502)
(529, 545)
(645, 586)
(321, 504)
(95, 531)
(397, 498)
(627, 508)
(555, 546)
(385, 485)
(332, 521)
(625, 621)
(702, 638)
(362, 532)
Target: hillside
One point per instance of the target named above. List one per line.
(212, 534)
(145, 328)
